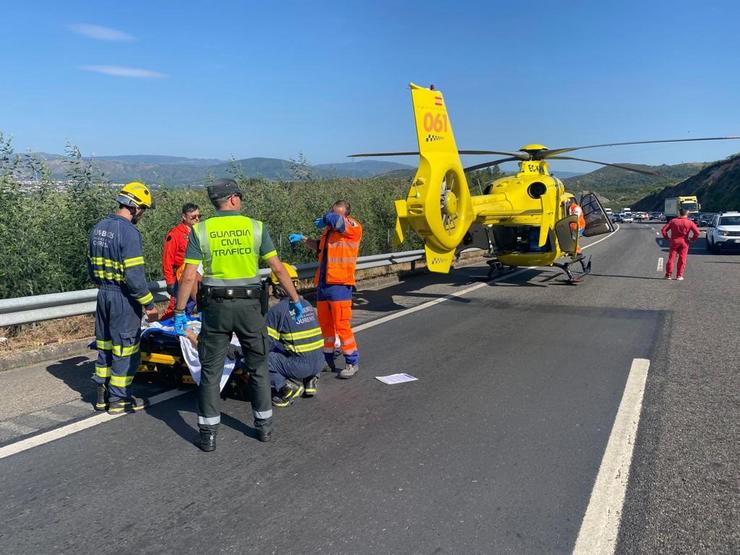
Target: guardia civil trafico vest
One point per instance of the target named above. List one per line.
(230, 247)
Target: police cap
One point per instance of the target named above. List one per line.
(222, 188)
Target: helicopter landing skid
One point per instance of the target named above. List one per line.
(574, 278)
(496, 268)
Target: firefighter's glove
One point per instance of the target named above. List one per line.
(298, 308)
(320, 223)
(295, 238)
(181, 323)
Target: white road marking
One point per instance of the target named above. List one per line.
(75, 427)
(660, 264)
(600, 526)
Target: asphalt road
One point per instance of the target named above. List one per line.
(494, 449)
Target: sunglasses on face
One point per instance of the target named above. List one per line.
(193, 216)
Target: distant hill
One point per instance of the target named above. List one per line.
(176, 170)
(623, 188)
(717, 186)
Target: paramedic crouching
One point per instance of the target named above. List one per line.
(296, 356)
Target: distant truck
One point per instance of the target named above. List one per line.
(674, 204)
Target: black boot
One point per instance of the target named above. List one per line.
(207, 440)
(100, 402)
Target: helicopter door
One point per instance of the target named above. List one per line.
(597, 221)
(565, 234)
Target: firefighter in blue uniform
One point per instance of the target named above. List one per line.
(296, 356)
(116, 265)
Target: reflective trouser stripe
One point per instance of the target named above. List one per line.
(261, 414)
(210, 420)
(102, 371)
(121, 381)
(329, 344)
(121, 351)
(104, 345)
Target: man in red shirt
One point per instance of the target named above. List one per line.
(173, 254)
(683, 231)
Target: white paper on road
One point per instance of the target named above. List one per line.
(396, 378)
(190, 354)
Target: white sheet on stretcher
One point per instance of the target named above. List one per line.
(190, 354)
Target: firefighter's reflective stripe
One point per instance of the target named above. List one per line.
(121, 351)
(135, 261)
(121, 381)
(305, 348)
(145, 299)
(108, 275)
(301, 334)
(103, 345)
(102, 371)
(107, 262)
(272, 332)
(269, 255)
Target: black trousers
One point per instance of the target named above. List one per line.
(221, 318)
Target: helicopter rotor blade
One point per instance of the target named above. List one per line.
(519, 155)
(368, 154)
(556, 151)
(491, 163)
(620, 166)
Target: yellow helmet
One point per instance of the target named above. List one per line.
(135, 194)
(292, 272)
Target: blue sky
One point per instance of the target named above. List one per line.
(242, 78)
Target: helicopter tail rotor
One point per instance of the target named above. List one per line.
(438, 207)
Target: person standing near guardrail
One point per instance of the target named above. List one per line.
(116, 266)
(337, 250)
(230, 247)
(173, 252)
(682, 232)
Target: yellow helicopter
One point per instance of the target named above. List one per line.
(523, 220)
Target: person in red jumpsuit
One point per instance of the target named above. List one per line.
(173, 254)
(682, 232)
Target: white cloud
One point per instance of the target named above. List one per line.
(99, 32)
(122, 71)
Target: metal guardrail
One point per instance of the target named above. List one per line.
(24, 310)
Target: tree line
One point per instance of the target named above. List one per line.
(44, 225)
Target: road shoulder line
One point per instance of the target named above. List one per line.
(600, 525)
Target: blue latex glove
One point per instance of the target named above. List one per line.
(181, 323)
(298, 307)
(295, 238)
(320, 223)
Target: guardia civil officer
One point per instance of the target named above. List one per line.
(230, 247)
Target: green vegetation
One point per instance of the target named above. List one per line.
(44, 226)
(619, 188)
(717, 186)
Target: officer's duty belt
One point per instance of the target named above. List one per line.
(252, 292)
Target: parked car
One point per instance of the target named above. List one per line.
(723, 232)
